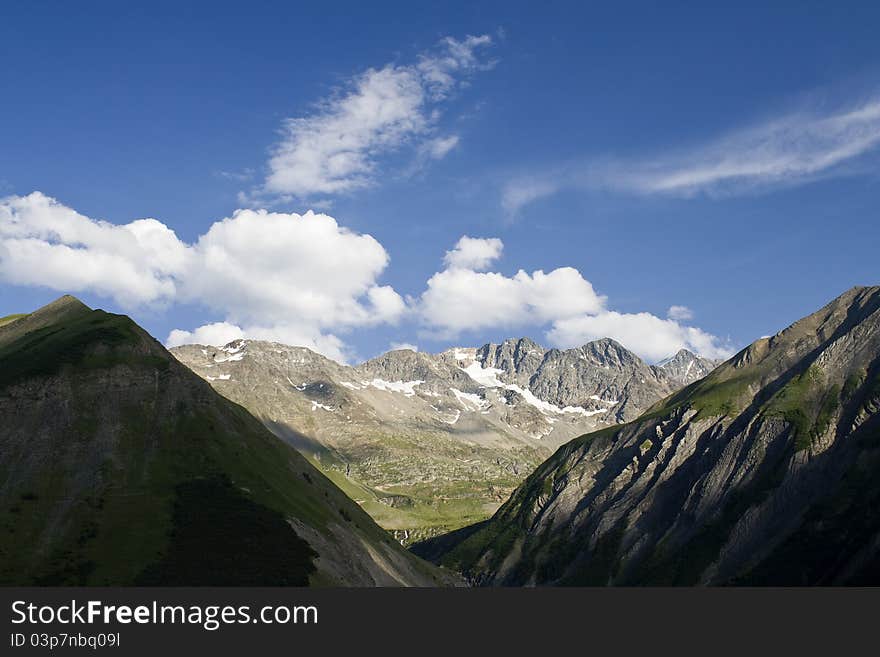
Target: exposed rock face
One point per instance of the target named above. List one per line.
(685, 367)
(602, 369)
(428, 442)
(764, 472)
(119, 466)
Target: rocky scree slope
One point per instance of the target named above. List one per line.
(120, 466)
(427, 443)
(763, 472)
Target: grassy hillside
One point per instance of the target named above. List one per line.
(120, 466)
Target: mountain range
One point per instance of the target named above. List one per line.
(120, 466)
(427, 443)
(763, 472)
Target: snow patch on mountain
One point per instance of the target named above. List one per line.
(465, 398)
(488, 377)
(485, 376)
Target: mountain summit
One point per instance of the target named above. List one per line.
(763, 472)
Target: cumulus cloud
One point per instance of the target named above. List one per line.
(216, 334)
(282, 276)
(43, 242)
(300, 335)
(395, 346)
(303, 279)
(458, 300)
(266, 267)
(680, 313)
(474, 253)
(463, 298)
(787, 150)
(335, 149)
(649, 336)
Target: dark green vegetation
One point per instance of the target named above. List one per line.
(764, 472)
(262, 551)
(84, 340)
(120, 466)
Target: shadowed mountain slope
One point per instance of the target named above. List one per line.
(120, 466)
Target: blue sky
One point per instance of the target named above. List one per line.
(721, 160)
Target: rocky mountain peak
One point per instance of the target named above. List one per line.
(401, 365)
(685, 367)
(62, 307)
(607, 351)
(517, 358)
(66, 301)
(852, 313)
(682, 355)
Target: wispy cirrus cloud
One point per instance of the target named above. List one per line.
(793, 149)
(336, 148)
(786, 150)
(524, 190)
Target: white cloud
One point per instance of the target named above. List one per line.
(462, 298)
(439, 147)
(792, 149)
(335, 149)
(216, 334)
(292, 278)
(474, 253)
(438, 69)
(43, 242)
(286, 277)
(221, 333)
(680, 313)
(395, 346)
(518, 193)
(264, 268)
(459, 300)
(786, 150)
(649, 336)
(304, 280)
